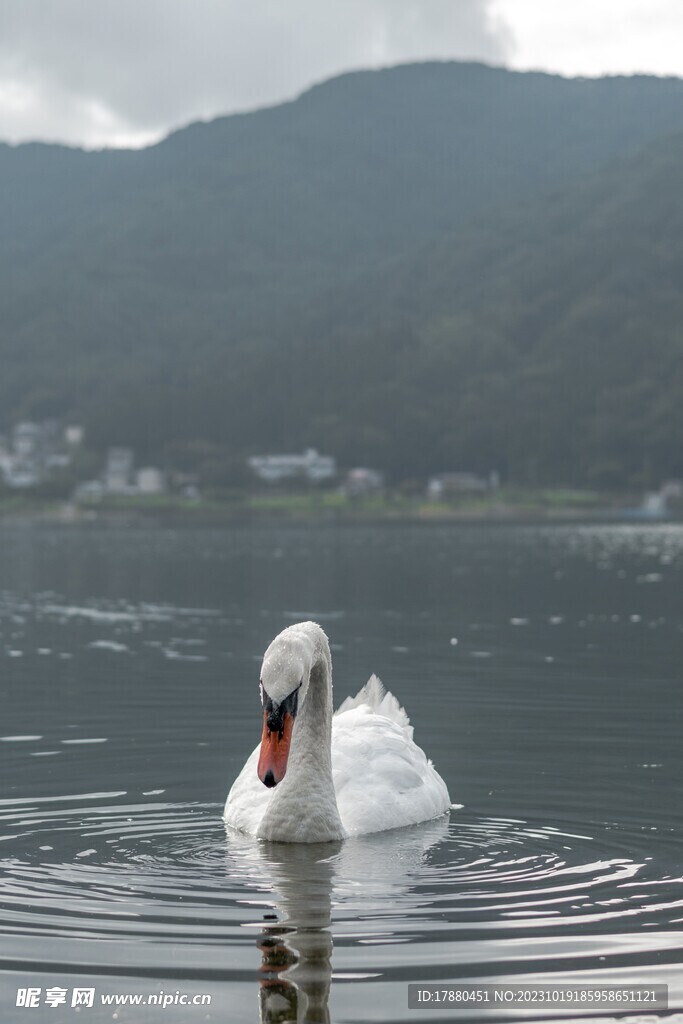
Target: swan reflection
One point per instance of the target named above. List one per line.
(303, 885)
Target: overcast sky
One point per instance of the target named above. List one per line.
(125, 72)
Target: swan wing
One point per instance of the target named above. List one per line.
(375, 696)
(382, 778)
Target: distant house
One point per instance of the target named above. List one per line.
(121, 478)
(57, 460)
(27, 439)
(74, 435)
(33, 453)
(22, 473)
(150, 480)
(445, 485)
(309, 466)
(186, 484)
(653, 506)
(672, 490)
(361, 481)
(662, 503)
(118, 471)
(89, 491)
(7, 462)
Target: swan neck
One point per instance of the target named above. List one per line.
(313, 731)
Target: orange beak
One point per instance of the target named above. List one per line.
(272, 762)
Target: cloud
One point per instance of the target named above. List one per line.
(124, 73)
(586, 37)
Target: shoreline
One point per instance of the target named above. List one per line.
(215, 515)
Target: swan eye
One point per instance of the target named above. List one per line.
(266, 701)
(290, 703)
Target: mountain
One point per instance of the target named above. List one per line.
(430, 266)
(545, 342)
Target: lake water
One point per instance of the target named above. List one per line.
(541, 668)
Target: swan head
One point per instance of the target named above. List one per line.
(284, 682)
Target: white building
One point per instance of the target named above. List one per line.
(118, 471)
(26, 440)
(672, 490)
(460, 483)
(24, 465)
(150, 480)
(22, 474)
(309, 466)
(73, 435)
(35, 453)
(361, 481)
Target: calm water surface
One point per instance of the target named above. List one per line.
(541, 668)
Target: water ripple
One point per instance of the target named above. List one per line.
(155, 873)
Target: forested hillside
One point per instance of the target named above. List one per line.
(431, 267)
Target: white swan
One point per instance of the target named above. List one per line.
(316, 777)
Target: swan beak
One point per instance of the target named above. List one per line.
(272, 762)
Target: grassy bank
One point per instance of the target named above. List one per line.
(508, 504)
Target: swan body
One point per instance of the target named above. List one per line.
(319, 777)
